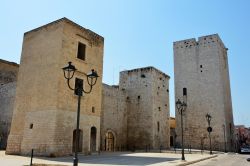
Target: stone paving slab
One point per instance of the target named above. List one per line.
(112, 159)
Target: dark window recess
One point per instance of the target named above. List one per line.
(93, 109)
(201, 71)
(78, 85)
(200, 66)
(159, 108)
(160, 78)
(184, 91)
(158, 87)
(31, 126)
(167, 90)
(138, 97)
(143, 76)
(158, 126)
(81, 51)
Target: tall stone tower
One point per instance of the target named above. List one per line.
(202, 67)
(147, 107)
(44, 117)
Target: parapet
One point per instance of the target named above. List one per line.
(202, 41)
(145, 69)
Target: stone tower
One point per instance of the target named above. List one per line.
(202, 67)
(147, 107)
(44, 116)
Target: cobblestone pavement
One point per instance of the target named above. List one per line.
(116, 158)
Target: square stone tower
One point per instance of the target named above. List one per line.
(44, 116)
(147, 108)
(202, 67)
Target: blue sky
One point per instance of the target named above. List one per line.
(140, 33)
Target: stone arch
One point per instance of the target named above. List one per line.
(93, 135)
(110, 141)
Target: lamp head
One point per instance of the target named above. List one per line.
(69, 71)
(178, 104)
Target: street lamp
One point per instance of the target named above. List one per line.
(225, 144)
(209, 129)
(69, 72)
(181, 107)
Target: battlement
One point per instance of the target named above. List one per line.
(202, 41)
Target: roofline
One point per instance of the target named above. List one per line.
(68, 21)
(9, 63)
(148, 67)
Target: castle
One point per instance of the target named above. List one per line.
(133, 115)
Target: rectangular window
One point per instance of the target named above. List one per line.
(158, 126)
(81, 51)
(78, 85)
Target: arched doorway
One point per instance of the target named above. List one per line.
(109, 141)
(93, 139)
(80, 141)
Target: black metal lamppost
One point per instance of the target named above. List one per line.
(224, 133)
(209, 130)
(181, 107)
(69, 72)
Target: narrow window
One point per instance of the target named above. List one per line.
(159, 108)
(93, 109)
(184, 91)
(81, 51)
(138, 97)
(158, 126)
(143, 76)
(78, 85)
(200, 66)
(31, 126)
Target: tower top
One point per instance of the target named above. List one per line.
(68, 21)
(203, 40)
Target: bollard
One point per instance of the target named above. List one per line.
(31, 157)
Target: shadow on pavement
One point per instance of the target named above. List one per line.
(114, 160)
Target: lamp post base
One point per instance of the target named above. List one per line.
(75, 162)
(182, 155)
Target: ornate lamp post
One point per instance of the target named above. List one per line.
(181, 107)
(209, 130)
(69, 72)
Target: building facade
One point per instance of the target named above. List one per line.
(202, 68)
(8, 79)
(44, 116)
(136, 113)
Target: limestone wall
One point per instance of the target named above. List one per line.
(43, 99)
(143, 102)
(8, 78)
(7, 96)
(114, 117)
(200, 67)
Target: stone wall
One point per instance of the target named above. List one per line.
(44, 116)
(201, 67)
(8, 77)
(114, 117)
(147, 107)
